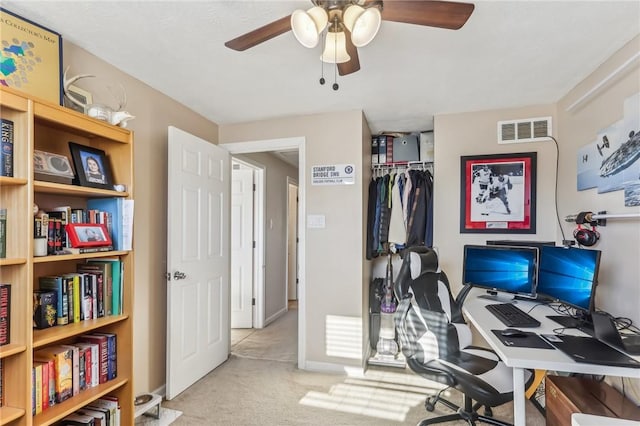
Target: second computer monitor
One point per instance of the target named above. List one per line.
(501, 269)
(569, 276)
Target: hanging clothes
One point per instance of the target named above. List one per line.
(400, 209)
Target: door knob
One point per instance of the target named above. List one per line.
(177, 275)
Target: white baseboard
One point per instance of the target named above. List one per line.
(275, 316)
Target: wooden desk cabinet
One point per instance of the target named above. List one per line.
(567, 395)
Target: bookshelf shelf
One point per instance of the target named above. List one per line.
(12, 181)
(63, 189)
(58, 411)
(13, 261)
(55, 334)
(44, 126)
(63, 257)
(11, 349)
(9, 414)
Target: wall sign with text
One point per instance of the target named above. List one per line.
(336, 174)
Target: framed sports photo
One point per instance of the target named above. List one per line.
(92, 166)
(498, 193)
(88, 235)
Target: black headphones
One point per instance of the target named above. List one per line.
(586, 237)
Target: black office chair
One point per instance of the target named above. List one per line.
(436, 342)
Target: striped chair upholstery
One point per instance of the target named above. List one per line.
(436, 342)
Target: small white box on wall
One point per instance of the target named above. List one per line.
(426, 146)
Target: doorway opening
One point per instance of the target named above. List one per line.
(295, 144)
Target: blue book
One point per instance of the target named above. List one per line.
(56, 284)
(6, 147)
(115, 209)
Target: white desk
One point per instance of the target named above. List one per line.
(528, 358)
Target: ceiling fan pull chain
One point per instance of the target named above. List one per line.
(322, 80)
(335, 63)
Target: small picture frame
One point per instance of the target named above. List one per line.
(92, 166)
(88, 235)
(79, 94)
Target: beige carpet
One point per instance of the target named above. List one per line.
(249, 390)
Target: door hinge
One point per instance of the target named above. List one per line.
(254, 187)
(254, 244)
(167, 275)
(297, 281)
(253, 301)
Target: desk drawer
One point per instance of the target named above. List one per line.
(567, 395)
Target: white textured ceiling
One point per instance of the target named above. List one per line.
(509, 54)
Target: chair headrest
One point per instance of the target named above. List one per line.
(421, 263)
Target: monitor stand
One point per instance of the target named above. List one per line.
(583, 324)
(497, 297)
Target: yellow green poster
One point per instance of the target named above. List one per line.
(30, 57)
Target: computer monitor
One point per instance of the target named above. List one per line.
(506, 269)
(569, 276)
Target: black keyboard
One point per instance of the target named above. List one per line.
(511, 316)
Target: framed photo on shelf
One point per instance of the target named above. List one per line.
(31, 57)
(88, 235)
(92, 166)
(498, 193)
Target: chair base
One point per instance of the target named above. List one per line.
(469, 413)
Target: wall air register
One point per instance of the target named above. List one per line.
(525, 130)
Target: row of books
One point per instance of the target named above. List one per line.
(115, 213)
(6, 147)
(1, 382)
(95, 290)
(63, 371)
(5, 314)
(3, 233)
(101, 412)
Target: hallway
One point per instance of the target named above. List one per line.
(277, 341)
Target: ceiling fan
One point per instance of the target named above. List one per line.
(350, 24)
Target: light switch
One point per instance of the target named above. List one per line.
(316, 221)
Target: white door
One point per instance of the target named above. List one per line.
(241, 248)
(292, 242)
(198, 259)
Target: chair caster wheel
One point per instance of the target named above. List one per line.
(430, 404)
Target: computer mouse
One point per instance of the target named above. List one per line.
(513, 332)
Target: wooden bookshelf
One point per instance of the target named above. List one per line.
(44, 126)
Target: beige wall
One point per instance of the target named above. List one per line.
(336, 270)
(334, 255)
(275, 230)
(154, 113)
(618, 291)
(474, 133)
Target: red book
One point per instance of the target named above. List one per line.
(5, 310)
(103, 354)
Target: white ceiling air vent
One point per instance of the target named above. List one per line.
(526, 130)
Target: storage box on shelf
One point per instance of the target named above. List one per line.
(40, 125)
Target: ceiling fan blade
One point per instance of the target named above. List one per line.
(442, 14)
(353, 64)
(260, 35)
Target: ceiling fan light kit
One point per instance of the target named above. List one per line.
(349, 24)
(363, 24)
(307, 26)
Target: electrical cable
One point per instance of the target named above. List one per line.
(556, 186)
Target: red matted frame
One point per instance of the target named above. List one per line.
(489, 210)
(88, 235)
